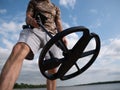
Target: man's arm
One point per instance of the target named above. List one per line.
(29, 16)
(59, 25)
(60, 28)
(31, 21)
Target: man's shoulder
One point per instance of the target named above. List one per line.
(33, 2)
(57, 8)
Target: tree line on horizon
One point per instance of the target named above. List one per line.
(22, 85)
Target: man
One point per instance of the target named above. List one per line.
(30, 41)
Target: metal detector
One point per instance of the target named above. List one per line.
(70, 56)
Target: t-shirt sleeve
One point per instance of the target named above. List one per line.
(30, 8)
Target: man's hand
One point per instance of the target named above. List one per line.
(31, 21)
(65, 41)
(34, 23)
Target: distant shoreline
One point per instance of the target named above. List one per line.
(22, 85)
(98, 83)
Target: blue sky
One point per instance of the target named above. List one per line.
(101, 17)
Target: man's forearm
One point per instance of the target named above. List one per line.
(31, 21)
(59, 26)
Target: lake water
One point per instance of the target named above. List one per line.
(87, 87)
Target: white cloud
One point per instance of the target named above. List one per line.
(73, 20)
(2, 11)
(68, 3)
(108, 60)
(96, 24)
(3, 54)
(111, 50)
(8, 44)
(10, 26)
(94, 11)
(65, 25)
(72, 39)
(10, 29)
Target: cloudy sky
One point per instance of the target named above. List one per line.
(100, 16)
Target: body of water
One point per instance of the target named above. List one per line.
(115, 86)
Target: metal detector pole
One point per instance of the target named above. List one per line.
(60, 43)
